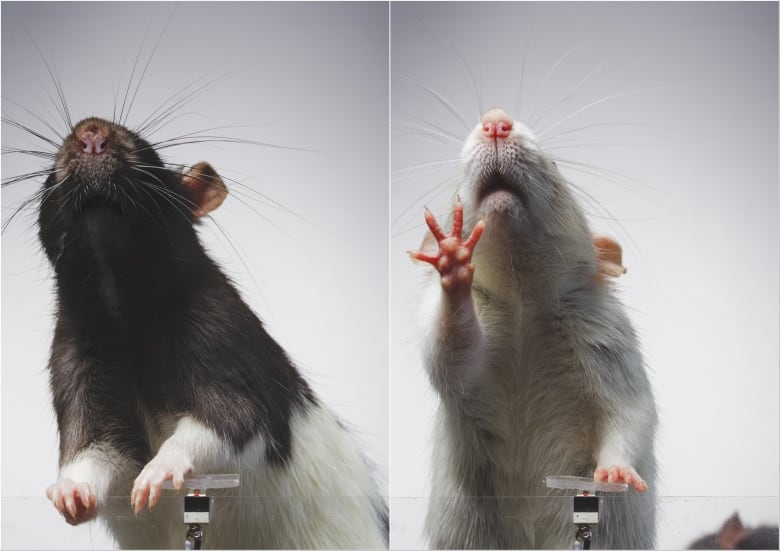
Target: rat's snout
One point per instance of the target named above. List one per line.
(92, 138)
(496, 124)
(93, 142)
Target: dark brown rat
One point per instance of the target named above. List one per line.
(159, 369)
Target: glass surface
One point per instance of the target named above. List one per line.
(681, 519)
(206, 481)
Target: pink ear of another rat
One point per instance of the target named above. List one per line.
(206, 188)
(610, 257)
(731, 532)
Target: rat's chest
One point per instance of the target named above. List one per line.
(542, 418)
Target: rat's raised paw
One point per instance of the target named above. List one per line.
(453, 259)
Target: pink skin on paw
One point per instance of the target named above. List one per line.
(76, 502)
(147, 488)
(453, 260)
(619, 473)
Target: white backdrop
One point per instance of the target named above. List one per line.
(312, 76)
(696, 199)
(685, 112)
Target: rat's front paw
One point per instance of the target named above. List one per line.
(76, 501)
(620, 473)
(148, 485)
(453, 260)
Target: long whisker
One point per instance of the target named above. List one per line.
(561, 134)
(441, 99)
(238, 254)
(619, 140)
(594, 104)
(201, 133)
(148, 61)
(550, 73)
(161, 116)
(448, 138)
(238, 195)
(431, 194)
(21, 207)
(31, 152)
(64, 200)
(29, 130)
(257, 196)
(177, 142)
(518, 103)
(239, 198)
(415, 170)
(181, 205)
(63, 107)
(611, 175)
(613, 221)
(569, 95)
(41, 194)
(36, 116)
(189, 205)
(132, 72)
(28, 176)
(141, 186)
(472, 78)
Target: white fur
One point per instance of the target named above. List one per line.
(324, 497)
(530, 385)
(454, 327)
(519, 132)
(99, 466)
(194, 443)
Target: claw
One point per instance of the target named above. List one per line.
(433, 225)
(619, 473)
(147, 488)
(457, 219)
(75, 502)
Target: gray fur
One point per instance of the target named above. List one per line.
(538, 370)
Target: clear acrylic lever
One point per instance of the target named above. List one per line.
(206, 482)
(584, 484)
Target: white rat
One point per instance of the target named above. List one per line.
(535, 361)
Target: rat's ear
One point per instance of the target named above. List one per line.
(610, 257)
(206, 189)
(731, 532)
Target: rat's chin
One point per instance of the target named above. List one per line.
(500, 203)
(100, 203)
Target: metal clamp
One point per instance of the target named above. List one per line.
(584, 537)
(585, 510)
(196, 513)
(197, 503)
(194, 539)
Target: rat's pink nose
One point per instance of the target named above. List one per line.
(93, 139)
(496, 123)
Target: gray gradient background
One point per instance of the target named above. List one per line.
(310, 76)
(698, 217)
(697, 210)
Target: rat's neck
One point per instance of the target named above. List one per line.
(128, 277)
